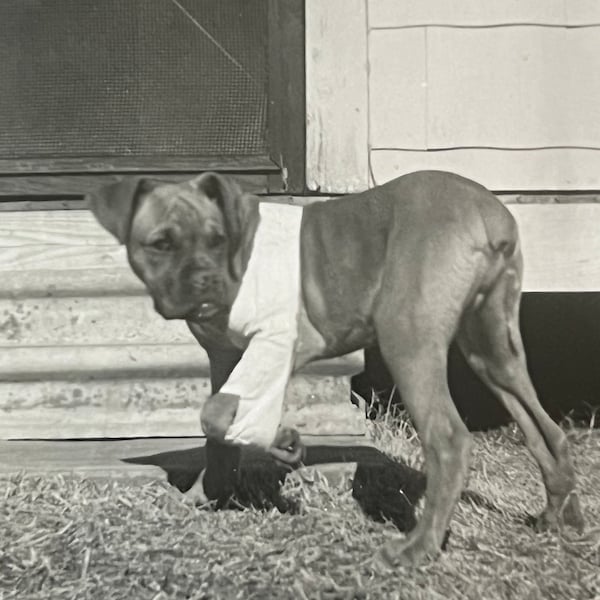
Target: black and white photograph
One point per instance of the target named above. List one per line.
(299, 299)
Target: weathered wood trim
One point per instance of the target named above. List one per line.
(66, 283)
(287, 93)
(134, 164)
(163, 406)
(336, 96)
(64, 363)
(501, 170)
(56, 187)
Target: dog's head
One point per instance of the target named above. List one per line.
(188, 242)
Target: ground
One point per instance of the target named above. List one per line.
(70, 537)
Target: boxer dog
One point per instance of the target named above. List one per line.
(410, 266)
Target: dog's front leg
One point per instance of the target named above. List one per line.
(246, 410)
(222, 459)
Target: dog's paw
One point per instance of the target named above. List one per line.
(553, 518)
(287, 448)
(412, 552)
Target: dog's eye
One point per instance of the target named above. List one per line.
(161, 244)
(215, 240)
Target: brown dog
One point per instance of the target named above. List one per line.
(409, 265)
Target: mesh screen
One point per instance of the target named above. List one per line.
(89, 78)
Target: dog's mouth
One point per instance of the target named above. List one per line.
(206, 310)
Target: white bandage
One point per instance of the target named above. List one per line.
(264, 319)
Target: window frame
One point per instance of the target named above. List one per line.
(61, 183)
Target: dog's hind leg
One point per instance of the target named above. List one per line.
(490, 339)
(414, 333)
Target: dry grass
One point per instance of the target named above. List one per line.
(67, 537)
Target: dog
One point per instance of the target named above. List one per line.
(409, 266)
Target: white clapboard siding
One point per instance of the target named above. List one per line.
(582, 12)
(544, 169)
(513, 87)
(507, 87)
(482, 13)
(561, 246)
(336, 96)
(398, 88)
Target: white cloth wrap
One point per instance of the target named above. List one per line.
(264, 320)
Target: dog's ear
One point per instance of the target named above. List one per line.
(231, 201)
(113, 205)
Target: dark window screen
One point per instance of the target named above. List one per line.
(97, 78)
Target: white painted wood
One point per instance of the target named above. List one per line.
(57, 257)
(511, 87)
(33, 363)
(549, 169)
(406, 13)
(92, 320)
(582, 12)
(561, 246)
(336, 96)
(58, 282)
(397, 88)
(65, 228)
(158, 407)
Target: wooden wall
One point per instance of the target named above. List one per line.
(83, 354)
(503, 91)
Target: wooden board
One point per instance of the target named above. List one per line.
(561, 246)
(478, 13)
(157, 406)
(511, 87)
(582, 12)
(94, 361)
(523, 87)
(136, 164)
(549, 169)
(398, 89)
(153, 458)
(336, 96)
(63, 283)
(87, 320)
(78, 185)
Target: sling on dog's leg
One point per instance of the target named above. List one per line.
(492, 344)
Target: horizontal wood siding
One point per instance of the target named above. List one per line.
(504, 91)
(530, 87)
(513, 107)
(499, 170)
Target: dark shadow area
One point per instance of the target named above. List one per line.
(561, 334)
(385, 489)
